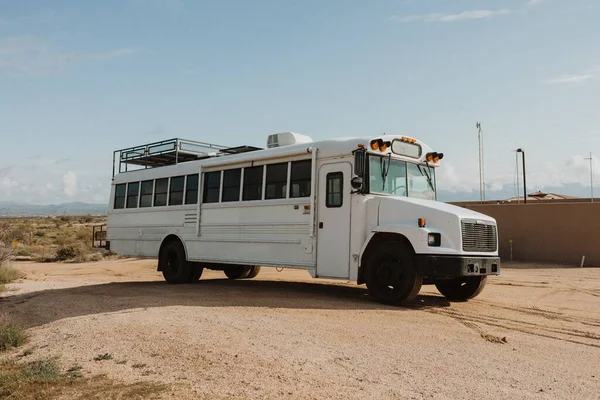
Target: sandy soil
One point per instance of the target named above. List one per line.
(532, 334)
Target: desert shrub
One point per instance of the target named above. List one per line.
(11, 336)
(86, 219)
(10, 232)
(84, 235)
(6, 253)
(39, 234)
(9, 274)
(69, 252)
(42, 371)
(95, 257)
(24, 252)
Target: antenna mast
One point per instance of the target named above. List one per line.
(481, 173)
(591, 176)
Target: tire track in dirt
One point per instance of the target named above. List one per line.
(469, 323)
(535, 310)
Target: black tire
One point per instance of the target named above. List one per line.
(196, 273)
(253, 272)
(173, 264)
(237, 271)
(390, 274)
(461, 289)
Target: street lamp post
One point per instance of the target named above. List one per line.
(524, 181)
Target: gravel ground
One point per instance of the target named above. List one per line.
(531, 334)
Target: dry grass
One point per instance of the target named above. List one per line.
(9, 274)
(11, 336)
(42, 379)
(49, 239)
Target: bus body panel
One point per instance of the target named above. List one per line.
(286, 232)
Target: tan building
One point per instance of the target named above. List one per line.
(549, 228)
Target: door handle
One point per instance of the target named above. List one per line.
(320, 225)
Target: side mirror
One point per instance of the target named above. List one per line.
(356, 182)
(359, 163)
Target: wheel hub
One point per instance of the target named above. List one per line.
(389, 273)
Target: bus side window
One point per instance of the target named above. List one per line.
(133, 190)
(160, 192)
(212, 184)
(191, 189)
(231, 184)
(120, 190)
(276, 181)
(300, 179)
(253, 177)
(146, 193)
(176, 191)
(334, 196)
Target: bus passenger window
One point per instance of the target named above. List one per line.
(146, 194)
(231, 184)
(160, 192)
(253, 178)
(133, 190)
(212, 184)
(334, 196)
(120, 195)
(191, 189)
(300, 179)
(176, 191)
(276, 181)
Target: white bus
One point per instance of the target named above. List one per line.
(359, 209)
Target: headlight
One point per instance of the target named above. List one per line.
(434, 239)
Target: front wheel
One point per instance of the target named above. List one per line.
(461, 289)
(391, 276)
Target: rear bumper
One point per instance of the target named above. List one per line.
(451, 266)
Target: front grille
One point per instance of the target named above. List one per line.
(479, 237)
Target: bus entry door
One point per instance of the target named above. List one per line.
(333, 223)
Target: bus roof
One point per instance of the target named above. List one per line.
(220, 156)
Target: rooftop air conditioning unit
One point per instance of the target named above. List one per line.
(286, 139)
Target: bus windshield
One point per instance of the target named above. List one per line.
(399, 178)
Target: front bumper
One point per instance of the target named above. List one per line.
(452, 266)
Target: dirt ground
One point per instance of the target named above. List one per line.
(531, 334)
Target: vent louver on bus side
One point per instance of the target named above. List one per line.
(286, 139)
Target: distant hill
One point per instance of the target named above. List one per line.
(74, 208)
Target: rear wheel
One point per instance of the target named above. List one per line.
(173, 264)
(390, 274)
(253, 272)
(237, 271)
(461, 289)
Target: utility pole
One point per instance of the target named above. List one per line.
(524, 177)
(481, 174)
(517, 164)
(591, 177)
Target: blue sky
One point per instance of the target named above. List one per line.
(80, 79)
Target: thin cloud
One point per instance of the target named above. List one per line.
(462, 16)
(107, 55)
(32, 56)
(566, 79)
(531, 3)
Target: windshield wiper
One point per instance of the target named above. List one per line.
(384, 170)
(424, 171)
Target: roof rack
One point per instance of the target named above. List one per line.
(170, 152)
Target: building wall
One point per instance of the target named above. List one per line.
(548, 232)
